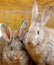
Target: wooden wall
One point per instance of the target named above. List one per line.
(13, 12)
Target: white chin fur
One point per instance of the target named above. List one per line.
(34, 43)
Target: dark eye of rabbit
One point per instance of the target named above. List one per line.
(38, 32)
(11, 48)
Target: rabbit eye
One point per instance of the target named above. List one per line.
(38, 32)
(11, 48)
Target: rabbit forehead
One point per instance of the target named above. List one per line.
(35, 25)
(16, 43)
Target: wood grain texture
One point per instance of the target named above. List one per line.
(13, 12)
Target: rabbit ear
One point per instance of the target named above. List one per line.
(34, 11)
(6, 32)
(23, 29)
(47, 14)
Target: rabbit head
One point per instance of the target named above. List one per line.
(36, 30)
(15, 50)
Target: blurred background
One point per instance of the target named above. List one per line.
(13, 12)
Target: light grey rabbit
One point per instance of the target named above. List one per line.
(39, 40)
(15, 53)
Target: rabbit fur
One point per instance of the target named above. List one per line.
(39, 40)
(5, 38)
(13, 51)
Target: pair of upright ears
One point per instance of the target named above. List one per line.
(47, 13)
(6, 33)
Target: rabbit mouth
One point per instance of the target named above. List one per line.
(16, 60)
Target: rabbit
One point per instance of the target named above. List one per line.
(5, 38)
(39, 40)
(15, 53)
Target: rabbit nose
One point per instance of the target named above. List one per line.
(29, 43)
(15, 58)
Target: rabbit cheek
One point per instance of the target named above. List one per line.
(41, 37)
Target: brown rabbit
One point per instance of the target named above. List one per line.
(5, 38)
(39, 40)
(15, 53)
